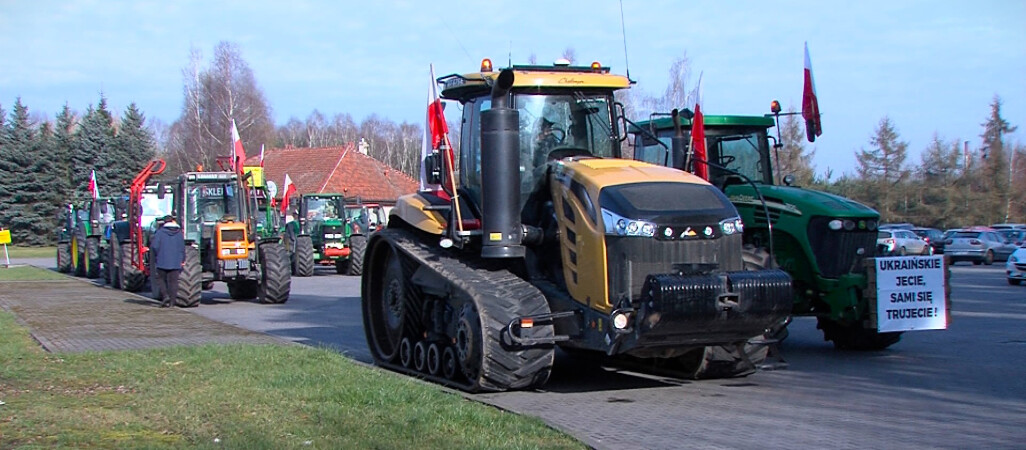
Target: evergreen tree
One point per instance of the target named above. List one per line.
(65, 144)
(95, 137)
(881, 169)
(792, 158)
(25, 191)
(5, 170)
(996, 175)
(134, 145)
(937, 184)
(47, 200)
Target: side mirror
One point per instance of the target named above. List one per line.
(789, 179)
(433, 167)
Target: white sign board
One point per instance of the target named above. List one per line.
(910, 293)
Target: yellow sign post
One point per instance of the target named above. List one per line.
(5, 238)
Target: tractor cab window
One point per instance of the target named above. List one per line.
(743, 151)
(82, 215)
(213, 202)
(559, 125)
(320, 209)
(154, 207)
(654, 151)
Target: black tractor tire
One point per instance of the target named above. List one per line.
(989, 258)
(190, 280)
(855, 337)
(92, 257)
(77, 257)
(64, 257)
(132, 279)
(723, 361)
(303, 259)
(341, 266)
(276, 279)
(758, 258)
(114, 264)
(357, 248)
(243, 290)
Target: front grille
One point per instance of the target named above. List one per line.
(837, 251)
(636, 258)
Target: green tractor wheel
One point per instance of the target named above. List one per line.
(190, 281)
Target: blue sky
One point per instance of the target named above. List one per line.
(931, 66)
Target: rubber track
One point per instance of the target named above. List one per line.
(499, 296)
(190, 281)
(357, 248)
(132, 279)
(276, 276)
(304, 266)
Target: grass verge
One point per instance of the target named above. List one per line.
(30, 252)
(28, 273)
(235, 396)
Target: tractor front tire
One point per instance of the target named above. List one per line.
(276, 279)
(64, 257)
(357, 247)
(303, 264)
(190, 281)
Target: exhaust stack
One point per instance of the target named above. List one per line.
(502, 235)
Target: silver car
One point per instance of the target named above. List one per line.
(1016, 266)
(979, 247)
(901, 242)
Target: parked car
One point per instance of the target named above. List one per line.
(1016, 266)
(896, 226)
(1013, 236)
(977, 246)
(932, 236)
(901, 242)
(1006, 226)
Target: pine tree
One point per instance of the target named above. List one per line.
(996, 175)
(882, 170)
(65, 144)
(25, 191)
(135, 144)
(937, 183)
(95, 137)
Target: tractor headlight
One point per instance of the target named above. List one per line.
(731, 226)
(618, 225)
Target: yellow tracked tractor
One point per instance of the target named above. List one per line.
(545, 238)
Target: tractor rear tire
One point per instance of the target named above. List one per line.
(276, 279)
(132, 279)
(303, 264)
(92, 257)
(855, 337)
(64, 257)
(190, 281)
(357, 248)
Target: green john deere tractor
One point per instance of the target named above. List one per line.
(85, 252)
(822, 240)
(319, 235)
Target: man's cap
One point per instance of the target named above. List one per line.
(167, 218)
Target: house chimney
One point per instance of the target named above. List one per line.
(364, 146)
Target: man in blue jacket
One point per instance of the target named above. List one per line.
(168, 248)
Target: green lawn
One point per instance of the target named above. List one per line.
(234, 396)
(29, 252)
(28, 273)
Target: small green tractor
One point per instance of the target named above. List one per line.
(320, 235)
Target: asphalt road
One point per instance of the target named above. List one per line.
(964, 387)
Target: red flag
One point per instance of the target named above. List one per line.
(810, 103)
(287, 191)
(261, 155)
(93, 189)
(238, 154)
(698, 143)
(436, 131)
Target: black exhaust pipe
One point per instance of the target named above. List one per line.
(500, 173)
(677, 142)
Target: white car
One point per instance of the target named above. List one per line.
(1016, 266)
(901, 243)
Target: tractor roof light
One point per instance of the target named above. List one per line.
(775, 107)
(486, 65)
(595, 66)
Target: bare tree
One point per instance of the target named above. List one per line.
(570, 54)
(793, 158)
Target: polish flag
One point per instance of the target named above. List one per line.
(93, 189)
(238, 154)
(261, 155)
(436, 131)
(698, 143)
(287, 191)
(810, 103)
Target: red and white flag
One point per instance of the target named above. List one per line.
(287, 191)
(93, 189)
(698, 143)
(261, 155)
(436, 131)
(810, 103)
(238, 153)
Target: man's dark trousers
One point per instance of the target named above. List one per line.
(167, 283)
